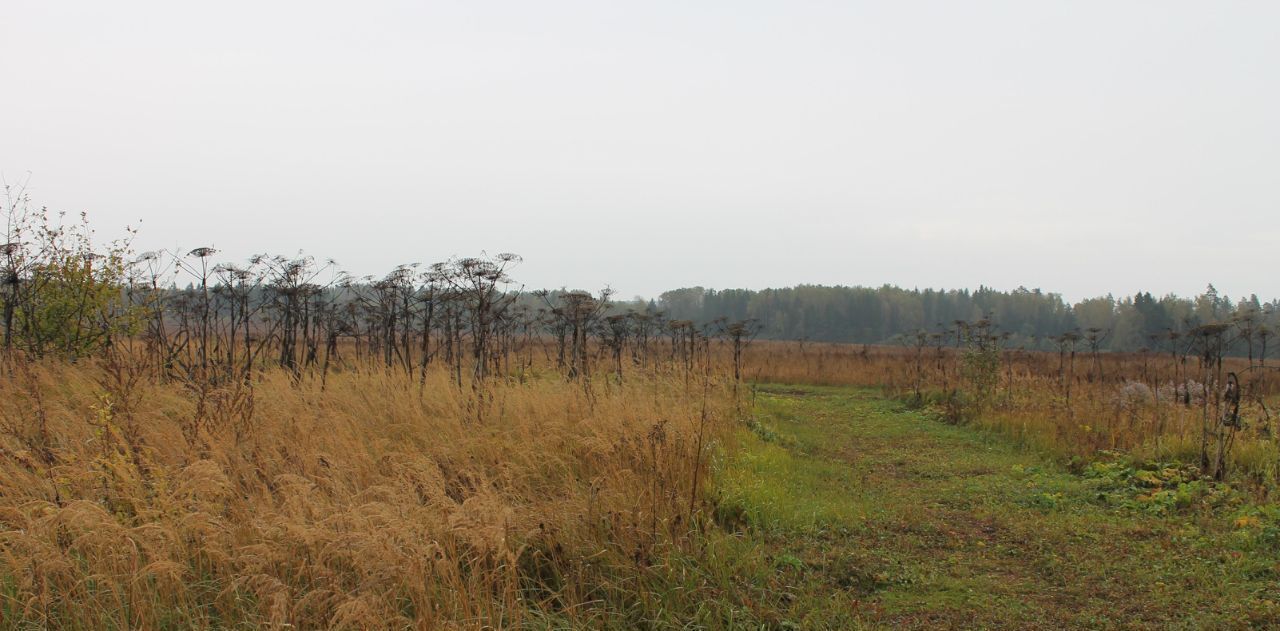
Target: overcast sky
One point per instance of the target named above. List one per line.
(1081, 147)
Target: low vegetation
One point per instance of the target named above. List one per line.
(1200, 408)
(280, 445)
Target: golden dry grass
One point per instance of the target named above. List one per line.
(379, 502)
(370, 504)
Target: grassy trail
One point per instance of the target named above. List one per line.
(865, 514)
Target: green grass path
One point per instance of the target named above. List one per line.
(861, 513)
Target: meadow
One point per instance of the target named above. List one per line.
(280, 446)
(368, 497)
(1211, 410)
(379, 500)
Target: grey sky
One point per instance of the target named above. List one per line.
(1082, 147)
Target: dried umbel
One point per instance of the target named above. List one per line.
(1189, 392)
(232, 273)
(1134, 395)
(202, 252)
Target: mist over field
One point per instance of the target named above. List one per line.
(1084, 149)
(582, 315)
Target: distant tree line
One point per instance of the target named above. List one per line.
(61, 294)
(1031, 318)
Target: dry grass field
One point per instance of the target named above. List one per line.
(374, 498)
(434, 450)
(376, 502)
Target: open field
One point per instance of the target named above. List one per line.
(869, 514)
(439, 449)
(1070, 406)
(656, 316)
(367, 497)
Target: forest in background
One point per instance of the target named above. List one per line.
(52, 258)
(1031, 317)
